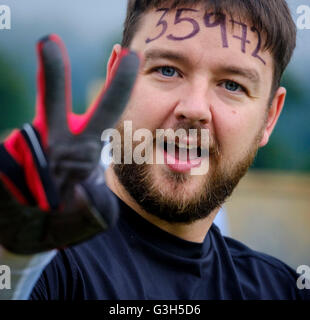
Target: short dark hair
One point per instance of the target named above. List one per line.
(272, 18)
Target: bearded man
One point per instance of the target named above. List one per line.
(209, 67)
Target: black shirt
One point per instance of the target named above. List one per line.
(137, 260)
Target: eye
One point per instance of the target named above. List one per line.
(168, 71)
(233, 86)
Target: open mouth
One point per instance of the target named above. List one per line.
(184, 151)
(182, 157)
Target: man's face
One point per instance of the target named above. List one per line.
(213, 79)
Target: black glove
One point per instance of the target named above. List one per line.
(52, 190)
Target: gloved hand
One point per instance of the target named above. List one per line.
(52, 191)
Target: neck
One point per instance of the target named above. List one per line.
(194, 232)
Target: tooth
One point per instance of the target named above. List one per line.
(182, 145)
(191, 147)
(185, 146)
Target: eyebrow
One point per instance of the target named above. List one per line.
(153, 54)
(248, 73)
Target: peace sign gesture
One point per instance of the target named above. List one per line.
(45, 165)
(72, 138)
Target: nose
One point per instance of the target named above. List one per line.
(194, 105)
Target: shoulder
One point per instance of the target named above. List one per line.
(242, 254)
(260, 274)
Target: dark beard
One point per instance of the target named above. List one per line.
(219, 185)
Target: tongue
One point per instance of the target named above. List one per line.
(181, 161)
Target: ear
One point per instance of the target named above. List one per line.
(113, 62)
(273, 115)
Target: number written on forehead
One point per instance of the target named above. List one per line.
(209, 21)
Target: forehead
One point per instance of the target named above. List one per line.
(198, 33)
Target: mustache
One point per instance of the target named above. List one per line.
(191, 132)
